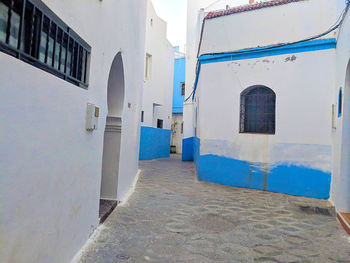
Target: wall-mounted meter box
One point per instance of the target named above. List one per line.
(92, 115)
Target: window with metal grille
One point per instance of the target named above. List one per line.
(30, 31)
(258, 110)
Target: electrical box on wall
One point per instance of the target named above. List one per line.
(92, 115)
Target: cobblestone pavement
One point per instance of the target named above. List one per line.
(172, 217)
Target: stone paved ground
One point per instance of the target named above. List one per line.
(174, 218)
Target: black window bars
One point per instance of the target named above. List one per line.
(31, 32)
(258, 110)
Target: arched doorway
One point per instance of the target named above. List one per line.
(112, 135)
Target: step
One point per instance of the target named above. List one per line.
(344, 219)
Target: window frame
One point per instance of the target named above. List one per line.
(160, 124)
(340, 103)
(31, 56)
(243, 111)
(148, 68)
(183, 88)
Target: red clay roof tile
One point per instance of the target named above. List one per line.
(250, 7)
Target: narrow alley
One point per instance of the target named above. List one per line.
(172, 217)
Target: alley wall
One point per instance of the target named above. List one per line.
(51, 166)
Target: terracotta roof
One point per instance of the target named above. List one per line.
(250, 7)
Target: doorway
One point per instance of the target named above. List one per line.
(112, 138)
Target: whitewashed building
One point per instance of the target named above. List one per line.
(270, 106)
(158, 87)
(72, 75)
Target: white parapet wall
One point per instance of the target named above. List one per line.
(51, 165)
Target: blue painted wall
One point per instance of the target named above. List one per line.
(154, 143)
(279, 178)
(179, 76)
(187, 149)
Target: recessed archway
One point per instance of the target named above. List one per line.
(112, 135)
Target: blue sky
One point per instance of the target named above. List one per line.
(174, 12)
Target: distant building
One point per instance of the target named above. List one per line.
(72, 75)
(178, 100)
(157, 92)
(270, 108)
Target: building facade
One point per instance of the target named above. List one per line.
(71, 78)
(269, 107)
(178, 100)
(196, 10)
(340, 194)
(157, 94)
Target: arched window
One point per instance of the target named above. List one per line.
(340, 103)
(258, 110)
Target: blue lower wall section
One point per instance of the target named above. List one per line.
(187, 149)
(196, 152)
(281, 178)
(154, 143)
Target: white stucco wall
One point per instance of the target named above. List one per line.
(341, 135)
(157, 94)
(306, 87)
(268, 26)
(51, 166)
(303, 109)
(196, 10)
(194, 22)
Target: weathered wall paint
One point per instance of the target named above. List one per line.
(154, 143)
(281, 178)
(263, 52)
(300, 75)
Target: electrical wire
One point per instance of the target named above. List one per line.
(335, 26)
(330, 30)
(189, 96)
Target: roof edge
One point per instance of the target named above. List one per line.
(249, 7)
